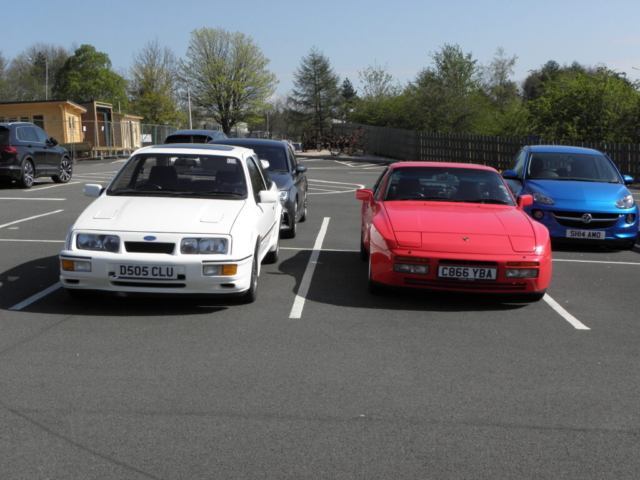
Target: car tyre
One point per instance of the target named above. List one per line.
(364, 253)
(66, 171)
(250, 295)
(293, 228)
(304, 212)
(28, 175)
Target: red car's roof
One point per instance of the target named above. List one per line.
(442, 164)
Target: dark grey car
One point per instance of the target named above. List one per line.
(194, 136)
(27, 152)
(286, 172)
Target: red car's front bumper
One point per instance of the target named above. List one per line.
(382, 271)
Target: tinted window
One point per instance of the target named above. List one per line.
(5, 136)
(27, 134)
(276, 157)
(41, 134)
(518, 162)
(256, 178)
(572, 166)
(187, 139)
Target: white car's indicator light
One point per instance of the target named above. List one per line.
(75, 266)
(206, 246)
(87, 241)
(217, 270)
(625, 202)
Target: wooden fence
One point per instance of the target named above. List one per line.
(497, 152)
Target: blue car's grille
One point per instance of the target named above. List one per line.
(574, 220)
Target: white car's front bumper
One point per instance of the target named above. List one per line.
(104, 273)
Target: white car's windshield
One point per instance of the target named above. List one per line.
(445, 184)
(572, 166)
(181, 175)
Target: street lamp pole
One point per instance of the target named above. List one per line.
(189, 103)
(46, 78)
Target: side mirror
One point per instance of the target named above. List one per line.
(510, 174)
(525, 200)
(269, 196)
(301, 168)
(364, 194)
(92, 190)
(628, 180)
(265, 163)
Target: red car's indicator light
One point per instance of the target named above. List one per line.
(412, 259)
(523, 264)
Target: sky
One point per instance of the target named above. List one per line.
(399, 35)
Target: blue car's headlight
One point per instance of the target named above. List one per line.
(625, 202)
(543, 199)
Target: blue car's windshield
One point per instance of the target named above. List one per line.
(572, 166)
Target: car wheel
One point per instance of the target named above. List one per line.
(250, 295)
(273, 255)
(28, 174)
(304, 212)
(66, 170)
(375, 288)
(293, 228)
(364, 253)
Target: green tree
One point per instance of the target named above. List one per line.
(447, 97)
(228, 77)
(153, 85)
(377, 82)
(4, 86)
(348, 100)
(601, 106)
(316, 95)
(87, 75)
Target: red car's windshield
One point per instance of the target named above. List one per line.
(449, 184)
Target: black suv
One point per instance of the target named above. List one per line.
(27, 152)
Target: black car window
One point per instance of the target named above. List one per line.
(27, 134)
(257, 182)
(276, 157)
(293, 161)
(376, 188)
(41, 134)
(5, 136)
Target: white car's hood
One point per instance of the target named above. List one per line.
(160, 214)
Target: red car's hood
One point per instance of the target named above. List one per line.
(461, 227)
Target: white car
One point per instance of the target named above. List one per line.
(181, 219)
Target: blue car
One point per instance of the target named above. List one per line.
(578, 194)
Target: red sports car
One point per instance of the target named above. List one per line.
(455, 227)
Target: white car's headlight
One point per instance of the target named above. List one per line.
(625, 202)
(284, 194)
(89, 241)
(194, 246)
(543, 199)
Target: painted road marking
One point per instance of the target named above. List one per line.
(564, 314)
(298, 303)
(30, 218)
(31, 199)
(36, 297)
(38, 188)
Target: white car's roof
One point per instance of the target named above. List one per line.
(196, 148)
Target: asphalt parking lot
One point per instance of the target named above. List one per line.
(317, 379)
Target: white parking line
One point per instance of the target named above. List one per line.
(38, 188)
(564, 314)
(31, 199)
(19, 240)
(30, 218)
(36, 297)
(298, 303)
